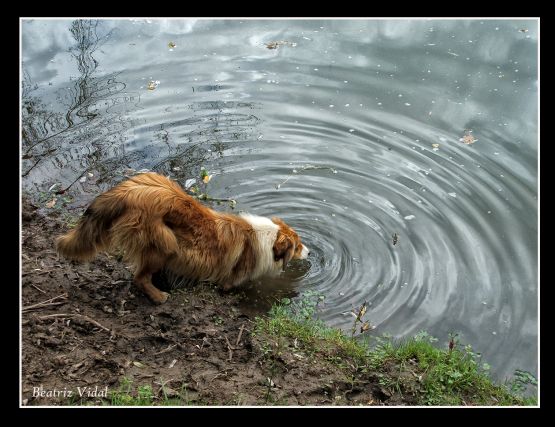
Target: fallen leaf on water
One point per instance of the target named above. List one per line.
(153, 84)
(206, 179)
(468, 138)
(523, 30)
(171, 45)
(364, 327)
(276, 44)
(51, 203)
(435, 147)
(395, 238)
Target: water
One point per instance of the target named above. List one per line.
(333, 131)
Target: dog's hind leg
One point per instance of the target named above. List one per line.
(152, 262)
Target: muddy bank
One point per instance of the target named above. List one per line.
(86, 332)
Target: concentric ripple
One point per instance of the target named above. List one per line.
(351, 133)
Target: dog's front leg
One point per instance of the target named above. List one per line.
(143, 278)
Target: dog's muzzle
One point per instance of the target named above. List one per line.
(304, 253)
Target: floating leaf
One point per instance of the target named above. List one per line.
(51, 203)
(152, 84)
(276, 44)
(364, 327)
(395, 238)
(206, 179)
(171, 45)
(435, 147)
(468, 138)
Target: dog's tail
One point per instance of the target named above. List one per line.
(92, 233)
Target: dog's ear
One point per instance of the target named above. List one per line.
(284, 248)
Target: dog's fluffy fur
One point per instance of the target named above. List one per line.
(159, 226)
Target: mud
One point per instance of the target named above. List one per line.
(86, 329)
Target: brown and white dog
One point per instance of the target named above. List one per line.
(159, 226)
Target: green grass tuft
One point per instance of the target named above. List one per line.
(451, 376)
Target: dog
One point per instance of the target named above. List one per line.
(160, 227)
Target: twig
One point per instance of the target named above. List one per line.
(219, 374)
(162, 384)
(64, 190)
(32, 167)
(304, 168)
(165, 350)
(240, 333)
(229, 348)
(37, 272)
(26, 310)
(207, 198)
(38, 289)
(30, 307)
(81, 316)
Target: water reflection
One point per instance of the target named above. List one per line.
(383, 103)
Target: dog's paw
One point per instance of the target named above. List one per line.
(226, 287)
(161, 299)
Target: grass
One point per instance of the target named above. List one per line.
(126, 395)
(413, 368)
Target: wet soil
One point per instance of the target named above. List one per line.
(85, 328)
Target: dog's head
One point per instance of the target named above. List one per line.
(288, 244)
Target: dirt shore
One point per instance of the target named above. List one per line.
(86, 329)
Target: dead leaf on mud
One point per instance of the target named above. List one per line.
(51, 203)
(139, 364)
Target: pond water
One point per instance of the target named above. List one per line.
(331, 125)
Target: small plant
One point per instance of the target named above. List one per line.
(303, 308)
(521, 381)
(358, 315)
(453, 341)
